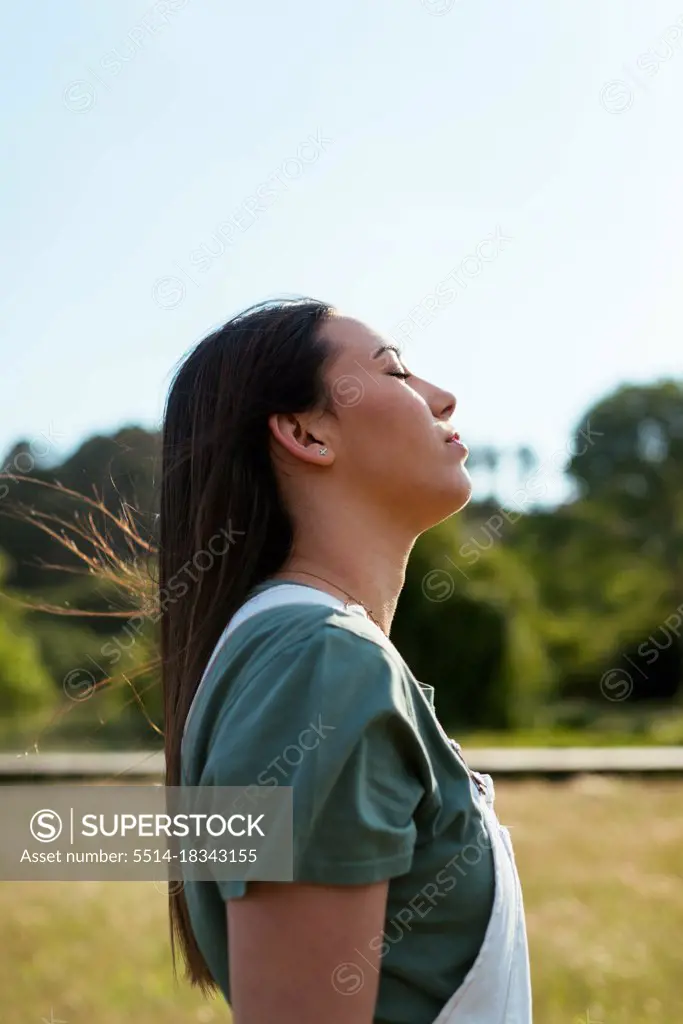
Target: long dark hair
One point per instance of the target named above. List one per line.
(223, 526)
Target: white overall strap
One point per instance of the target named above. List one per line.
(281, 594)
(497, 989)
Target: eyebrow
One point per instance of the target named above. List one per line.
(387, 348)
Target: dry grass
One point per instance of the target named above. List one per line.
(601, 861)
(602, 866)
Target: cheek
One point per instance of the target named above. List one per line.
(404, 409)
(388, 428)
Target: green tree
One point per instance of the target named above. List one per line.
(628, 460)
(118, 469)
(469, 627)
(26, 688)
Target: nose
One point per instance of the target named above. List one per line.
(443, 404)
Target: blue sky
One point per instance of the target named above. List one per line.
(390, 141)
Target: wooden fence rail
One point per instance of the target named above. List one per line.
(498, 761)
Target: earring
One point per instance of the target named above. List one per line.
(323, 451)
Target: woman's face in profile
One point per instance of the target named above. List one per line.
(393, 431)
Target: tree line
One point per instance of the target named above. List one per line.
(509, 609)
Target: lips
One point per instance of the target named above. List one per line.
(454, 438)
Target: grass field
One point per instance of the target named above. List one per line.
(601, 861)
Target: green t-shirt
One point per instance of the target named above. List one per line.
(309, 696)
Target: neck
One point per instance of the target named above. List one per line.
(358, 555)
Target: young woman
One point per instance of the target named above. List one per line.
(301, 435)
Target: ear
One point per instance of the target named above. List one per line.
(303, 436)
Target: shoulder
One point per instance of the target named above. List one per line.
(328, 713)
(357, 670)
(327, 675)
(322, 654)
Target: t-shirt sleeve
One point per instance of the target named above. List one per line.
(332, 718)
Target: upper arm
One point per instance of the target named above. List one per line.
(305, 954)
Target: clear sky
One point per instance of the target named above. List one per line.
(497, 184)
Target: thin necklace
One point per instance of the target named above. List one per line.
(336, 585)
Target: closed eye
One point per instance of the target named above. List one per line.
(399, 373)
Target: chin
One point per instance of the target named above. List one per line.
(461, 490)
(461, 498)
(450, 500)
